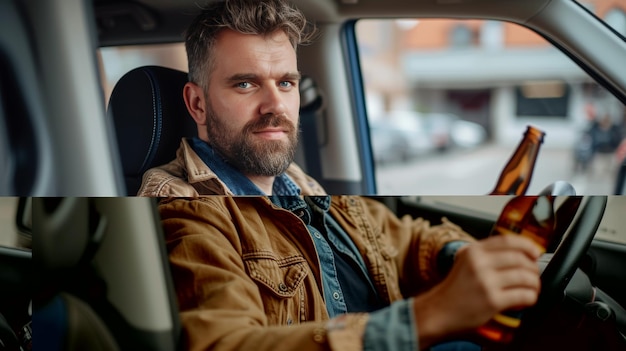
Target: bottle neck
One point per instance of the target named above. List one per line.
(517, 173)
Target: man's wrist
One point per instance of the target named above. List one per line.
(445, 257)
(429, 315)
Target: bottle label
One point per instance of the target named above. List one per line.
(511, 319)
(501, 326)
(513, 230)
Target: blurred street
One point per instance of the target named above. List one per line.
(475, 172)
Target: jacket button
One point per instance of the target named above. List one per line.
(319, 335)
(282, 287)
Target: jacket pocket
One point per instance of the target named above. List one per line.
(282, 281)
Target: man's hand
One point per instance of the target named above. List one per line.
(488, 276)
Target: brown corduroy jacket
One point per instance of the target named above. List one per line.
(247, 275)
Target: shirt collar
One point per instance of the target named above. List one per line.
(303, 207)
(236, 181)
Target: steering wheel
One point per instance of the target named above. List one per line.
(561, 268)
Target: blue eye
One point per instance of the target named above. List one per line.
(243, 85)
(286, 84)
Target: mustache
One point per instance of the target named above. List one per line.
(269, 120)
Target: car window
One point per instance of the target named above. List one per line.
(449, 100)
(115, 61)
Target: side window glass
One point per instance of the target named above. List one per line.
(448, 101)
(115, 61)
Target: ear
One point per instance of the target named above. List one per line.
(195, 102)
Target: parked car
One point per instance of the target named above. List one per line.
(448, 131)
(439, 128)
(400, 136)
(467, 134)
(403, 135)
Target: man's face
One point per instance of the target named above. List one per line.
(253, 102)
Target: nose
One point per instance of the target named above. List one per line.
(273, 101)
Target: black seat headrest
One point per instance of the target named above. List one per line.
(150, 118)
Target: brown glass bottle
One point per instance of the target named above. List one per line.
(532, 217)
(516, 175)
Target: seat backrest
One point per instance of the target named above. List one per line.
(150, 118)
(102, 278)
(68, 232)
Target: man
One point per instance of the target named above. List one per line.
(285, 271)
(243, 94)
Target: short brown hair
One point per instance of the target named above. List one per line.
(244, 16)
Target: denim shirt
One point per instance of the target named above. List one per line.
(236, 181)
(391, 328)
(333, 294)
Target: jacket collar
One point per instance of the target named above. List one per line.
(234, 180)
(188, 175)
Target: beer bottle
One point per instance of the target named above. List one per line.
(516, 175)
(533, 217)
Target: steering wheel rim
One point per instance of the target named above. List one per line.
(563, 264)
(573, 247)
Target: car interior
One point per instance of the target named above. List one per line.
(16, 278)
(16, 293)
(101, 276)
(112, 285)
(76, 155)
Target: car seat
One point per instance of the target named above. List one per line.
(150, 118)
(62, 319)
(93, 290)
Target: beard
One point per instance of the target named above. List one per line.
(250, 156)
